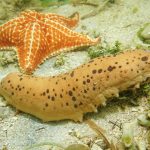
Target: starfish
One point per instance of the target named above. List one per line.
(37, 36)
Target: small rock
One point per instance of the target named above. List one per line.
(146, 32)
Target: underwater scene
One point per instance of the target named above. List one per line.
(75, 75)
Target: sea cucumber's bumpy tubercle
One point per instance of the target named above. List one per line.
(70, 95)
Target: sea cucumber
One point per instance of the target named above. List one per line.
(82, 90)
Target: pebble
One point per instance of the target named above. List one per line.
(146, 32)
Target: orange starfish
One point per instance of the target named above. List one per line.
(36, 36)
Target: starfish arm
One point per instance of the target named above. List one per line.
(64, 39)
(68, 22)
(29, 53)
(9, 32)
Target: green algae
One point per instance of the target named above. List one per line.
(97, 51)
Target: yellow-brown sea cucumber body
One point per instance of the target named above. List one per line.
(70, 95)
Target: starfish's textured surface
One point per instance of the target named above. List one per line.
(37, 36)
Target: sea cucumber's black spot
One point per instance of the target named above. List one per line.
(145, 58)
(53, 98)
(131, 69)
(44, 93)
(33, 94)
(100, 70)
(70, 93)
(19, 89)
(110, 68)
(137, 71)
(47, 91)
(8, 81)
(72, 74)
(55, 94)
(64, 78)
(120, 66)
(46, 104)
(75, 105)
(48, 97)
(84, 82)
(116, 62)
(73, 89)
(127, 63)
(94, 71)
(12, 93)
(53, 90)
(88, 65)
(107, 76)
(80, 103)
(67, 104)
(73, 98)
(61, 96)
(68, 84)
(56, 82)
(27, 92)
(77, 79)
(94, 88)
(21, 79)
(85, 91)
(87, 75)
(88, 80)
